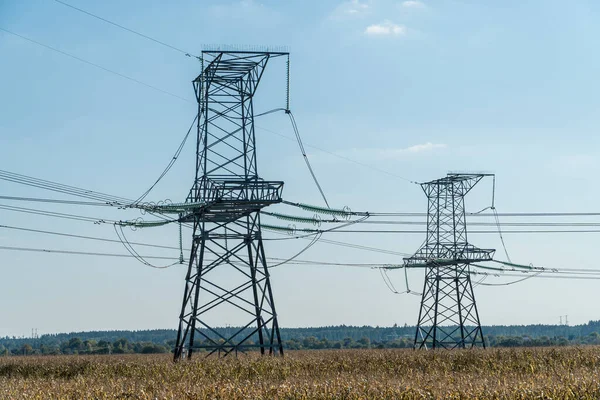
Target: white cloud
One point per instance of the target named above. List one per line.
(417, 148)
(243, 9)
(356, 6)
(413, 4)
(352, 8)
(386, 28)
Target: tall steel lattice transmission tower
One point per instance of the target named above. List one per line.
(227, 272)
(448, 317)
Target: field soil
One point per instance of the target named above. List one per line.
(524, 373)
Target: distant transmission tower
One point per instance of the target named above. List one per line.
(448, 317)
(227, 273)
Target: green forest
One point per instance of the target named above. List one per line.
(329, 337)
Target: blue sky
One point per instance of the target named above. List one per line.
(415, 88)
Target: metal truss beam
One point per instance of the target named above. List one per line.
(448, 316)
(226, 197)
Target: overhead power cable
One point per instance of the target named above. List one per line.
(314, 240)
(96, 65)
(537, 275)
(528, 268)
(292, 218)
(306, 161)
(500, 229)
(154, 245)
(45, 213)
(110, 200)
(187, 54)
(137, 223)
(158, 246)
(318, 221)
(60, 188)
(131, 250)
(305, 231)
(329, 263)
(338, 155)
(170, 164)
(82, 253)
(300, 219)
(491, 224)
(480, 282)
(308, 207)
(388, 282)
(57, 201)
(351, 245)
(308, 231)
(172, 94)
(269, 112)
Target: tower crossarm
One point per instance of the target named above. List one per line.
(231, 199)
(448, 256)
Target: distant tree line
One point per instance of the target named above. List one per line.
(76, 345)
(333, 337)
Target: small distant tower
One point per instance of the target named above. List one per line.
(448, 317)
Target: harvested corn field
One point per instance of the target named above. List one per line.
(547, 373)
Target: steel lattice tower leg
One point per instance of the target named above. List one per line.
(227, 272)
(448, 317)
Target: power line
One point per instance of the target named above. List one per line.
(351, 245)
(537, 275)
(507, 271)
(349, 213)
(339, 156)
(373, 222)
(316, 221)
(96, 65)
(57, 215)
(60, 188)
(175, 95)
(187, 54)
(572, 271)
(515, 224)
(531, 268)
(131, 250)
(524, 231)
(154, 245)
(539, 214)
(330, 263)
(301, 146)
(82, 253)
(308, 231)
(57, 201)
(138, 223)
(115, 201)
(172, 94)
(506, 283)
(126, 202)
(170, 164)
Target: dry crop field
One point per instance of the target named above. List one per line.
(544, 373)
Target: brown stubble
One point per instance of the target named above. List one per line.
(544, 373)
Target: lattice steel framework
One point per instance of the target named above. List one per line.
(448, 317)
(225, 200)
